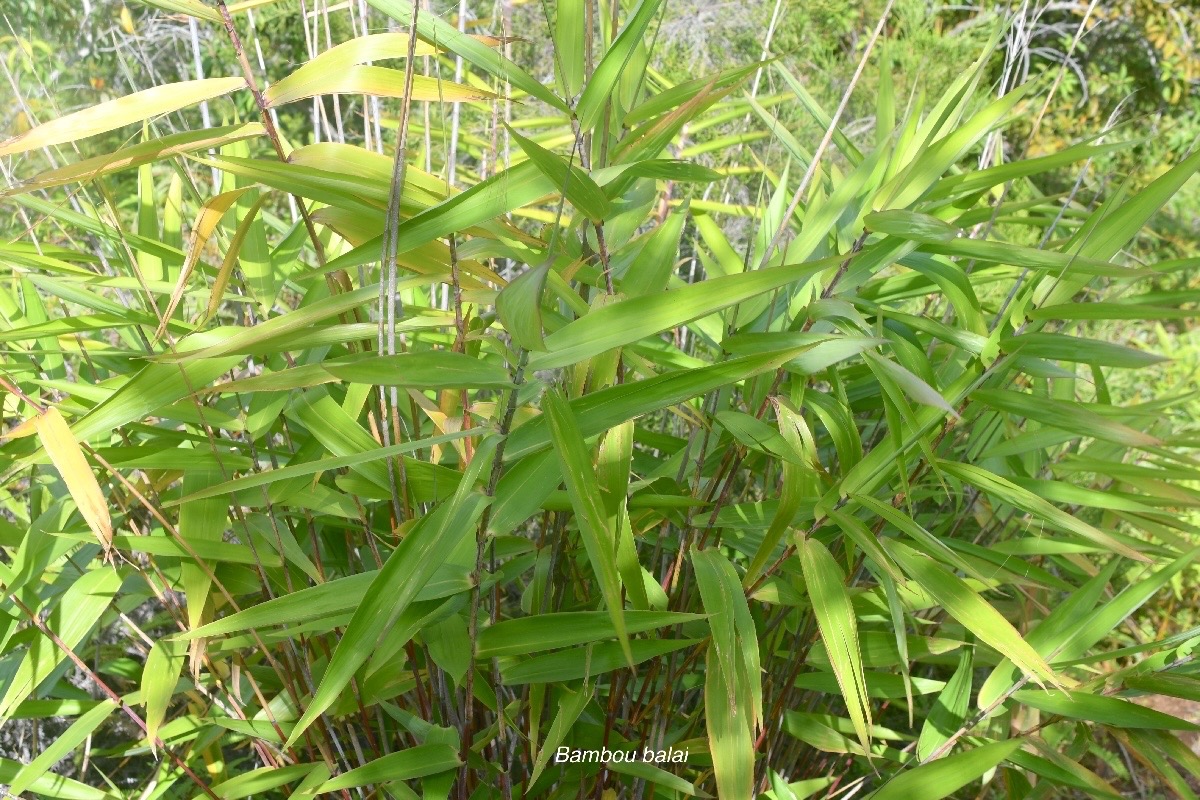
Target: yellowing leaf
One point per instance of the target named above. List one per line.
(206, 222)
(120, 112)
(360, 50)
(378, 81)
(26, 428)
(231, 257)
(67, 457)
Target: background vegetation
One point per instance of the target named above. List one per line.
(807, 386)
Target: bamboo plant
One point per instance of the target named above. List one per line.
(429, 459)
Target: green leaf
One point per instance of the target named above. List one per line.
(569, 47)
(575, 184)
(432, 28)
(159, 677)
(406, 571)
(949, 711)
(258, 781)
(972, 611)
(415, 762)
(584, 491)
(654, 267)
(602, 84)
(618, 324)
(946, 776)
(735, 716)
(71, 620)
(570, 706)
(519, 306)
(826, 585)
(1029, 502)
(585, 662)
(37, 772)
(565, 629)
(1060, 347)
(599, 411)
(729, 739)
(1103, 710)
(424, 370)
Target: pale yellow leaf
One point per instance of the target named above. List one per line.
(67, 457)
(235, 246)
(117, 113)
(26, 428)
(376, 81)
(210, 215)
(332, 65)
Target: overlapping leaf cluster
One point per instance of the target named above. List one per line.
(847, 506)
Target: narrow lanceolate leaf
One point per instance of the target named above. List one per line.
(135, 155)
(1029, 502)
(207, 220)
(337, 60)
(519, 306)
(264, 779)
(120, 112)
(565, 629)
(826, 585)
(432, 28)
(193, 8)
(733, 690)
(1060, 347)
(572, 182)
(404, 574)
(973, 612)
(231, 259)
(603, 82)
(570, 706)
(67, 457)
(729, 740)
(415, 762)
(569, 47)
(35, 772)
(585, 662)
(434, 369)
(950, 711)
(946, 776)
(912, 385)
(377, 82)
(1067, 415)
(159, 677)
(618, 324)
(73, 617)
(584, 491)
(1104, 710)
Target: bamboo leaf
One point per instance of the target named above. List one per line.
(1104, 710)
(118, 113)
(944, 777)
(159, 678)
(67, 457)
(404, 574)
(826, 586)
(602, 84)
(575, 184)
(415, 762)
(584, 491)
(975, 613)
(618, 324)
(431, 369)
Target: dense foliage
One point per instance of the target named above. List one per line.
(395, 416)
